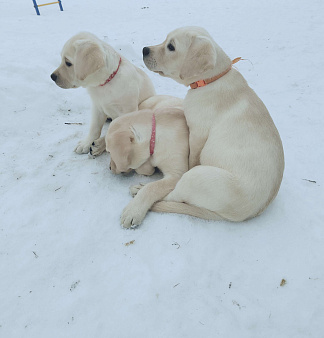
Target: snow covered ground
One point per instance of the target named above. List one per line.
(66, 268)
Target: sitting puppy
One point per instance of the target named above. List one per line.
(236, 157)
(142, 141)
(115, 85)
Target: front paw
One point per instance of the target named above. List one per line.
(132, 216)
(98, 147)
(83, 147)
(134, 189)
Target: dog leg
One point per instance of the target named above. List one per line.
(97, 121)
(196, 144)
(134, 189)
(98, 146)
(136, 210)
(214, 189)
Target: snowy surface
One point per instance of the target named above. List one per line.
(66, 270)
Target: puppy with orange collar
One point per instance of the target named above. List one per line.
(142, 141)
(236, 156)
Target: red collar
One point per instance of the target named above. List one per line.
(202, 83)
(112, 75)
(152, 140)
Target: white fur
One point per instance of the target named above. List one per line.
(236, 155)
(154, 102)
(92, 62)
(128, 141)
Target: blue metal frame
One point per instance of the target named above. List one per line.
(61, 8)
(36, 7)
(37, 10)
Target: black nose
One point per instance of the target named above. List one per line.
(146, 51)
(54, 77)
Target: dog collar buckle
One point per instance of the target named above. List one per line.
(201, 83)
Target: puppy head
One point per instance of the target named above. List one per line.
(128, 150)
(84, 63)
(119, 144)
(187, 55)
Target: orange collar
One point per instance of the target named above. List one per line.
(202, 83)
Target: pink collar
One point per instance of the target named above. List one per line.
(152, 141)
(112, 75)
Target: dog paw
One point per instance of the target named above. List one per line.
(134, 189)
(132, 216)
(98, 146)
(83, 147)
(146, 169)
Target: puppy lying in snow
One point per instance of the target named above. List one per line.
(236, 157)
(114, 84)
(154, 102)
(142, 141)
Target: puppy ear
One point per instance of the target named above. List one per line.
(89, 58)
(135, 135)
(201, 57)
(121, 148)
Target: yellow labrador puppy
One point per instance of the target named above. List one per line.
(236, 156)
(114, 84)
(142, 141)
(154, 102)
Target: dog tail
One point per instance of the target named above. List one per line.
(187, 209)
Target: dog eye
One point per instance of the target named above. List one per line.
(69, 64)
(171, 47)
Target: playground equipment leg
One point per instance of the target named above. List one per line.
(36, 7)
(50, 3)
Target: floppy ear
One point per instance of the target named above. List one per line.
(89, 58)
(200, 57)
(135, 136)
(126, 139)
